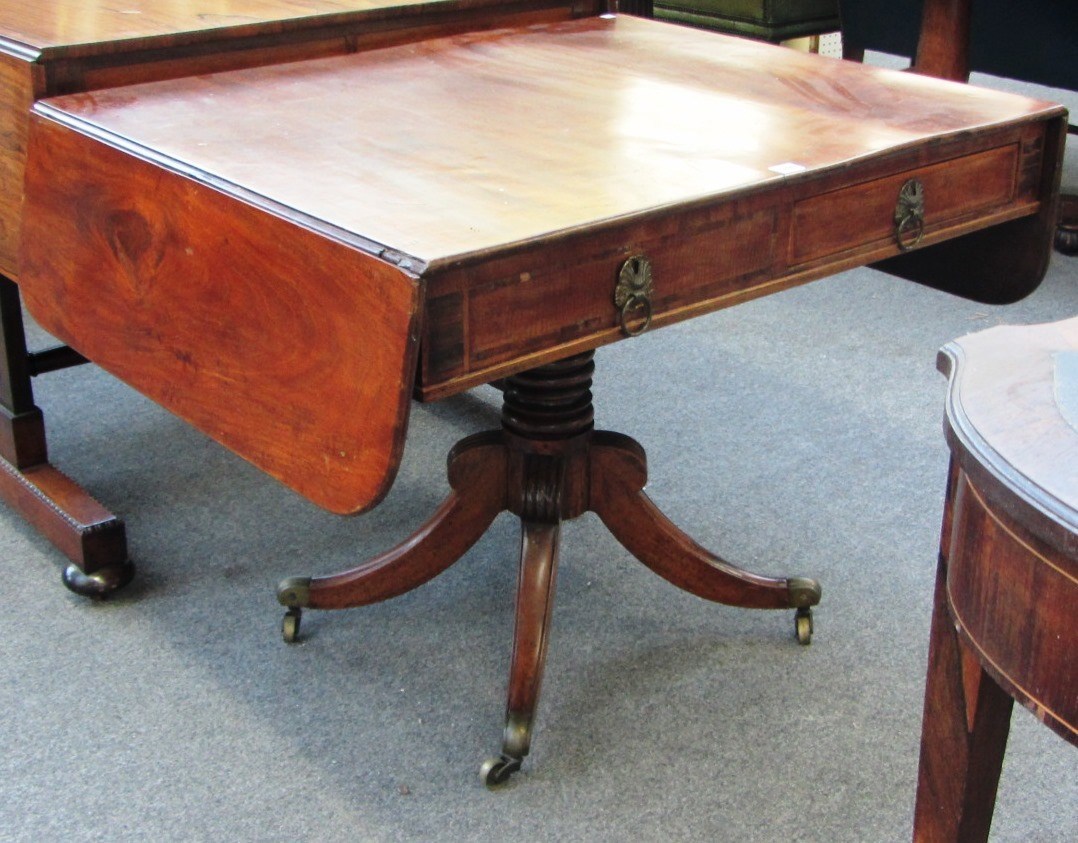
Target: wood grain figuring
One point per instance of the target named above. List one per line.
(571, 301)
(967, 718)
(1005, 398)
(293, 350)
(379, 28)
(719, 253)
(522, 133)
(1013, 598)
(1007, 582)
(510, 172)
(74, 522)
(69, 47)
(16, 97)
(88, 26)
(943, 45)
(848, 218)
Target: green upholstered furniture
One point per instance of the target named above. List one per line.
(766, 20)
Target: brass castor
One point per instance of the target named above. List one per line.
(496, 771)
(101, 583)
(290, 625)
(803, 625)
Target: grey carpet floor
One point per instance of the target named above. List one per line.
(811, 445)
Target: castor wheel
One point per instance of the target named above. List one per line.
(290, 625)
(803, 625)
(496, 771)
(101, 583)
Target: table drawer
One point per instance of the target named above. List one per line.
(864, 214)
(542, 301)
(478, 322)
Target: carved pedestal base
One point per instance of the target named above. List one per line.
(546, 465)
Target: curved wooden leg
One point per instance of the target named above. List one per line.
(618, 474)
(477, 477)
(535, 602)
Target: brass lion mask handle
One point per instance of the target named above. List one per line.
(910, 215)
(633, 294)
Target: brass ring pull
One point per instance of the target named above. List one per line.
(633, 292)
(634, 302)
(911, 224)
(910, 215)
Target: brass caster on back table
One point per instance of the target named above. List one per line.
(100, 583)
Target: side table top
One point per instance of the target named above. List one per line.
(1013, 404)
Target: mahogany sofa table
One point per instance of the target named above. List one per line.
(1003, 626)
(286, 256)
(62, 46)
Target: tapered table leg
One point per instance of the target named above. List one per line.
(967, 718)
(534, 605)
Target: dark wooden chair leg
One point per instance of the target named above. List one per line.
(82, 529)
(967, 718)
(1067, 231)
(534, 605)
(477, 479)
(943, 44)
(618, 476)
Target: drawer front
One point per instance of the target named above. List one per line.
(551, 299)
(558, 297)
(864, 214)
(564, 305)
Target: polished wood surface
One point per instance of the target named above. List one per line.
(50, 47)
(510, 172)
(943, 45)
(1003, 398)
(88, 26)
(524, 133)
(1007, 586)
(301, 349)
(952, 40)
(274, 253)
(546, 465)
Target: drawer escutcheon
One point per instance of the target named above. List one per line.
(910, 215)
(633, 293)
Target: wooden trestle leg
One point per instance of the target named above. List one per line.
(88, 534)
(546, 465)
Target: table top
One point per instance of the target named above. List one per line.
(88, 24)
(267, 252)
(522, 132)
(1013, 401)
